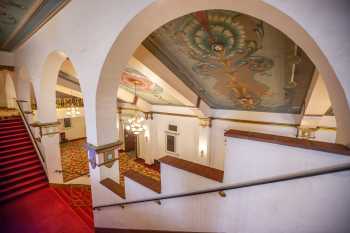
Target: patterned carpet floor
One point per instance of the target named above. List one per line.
(74, 159)
(75, 162)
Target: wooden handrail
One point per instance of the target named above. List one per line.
(220, 190)
(289, 141)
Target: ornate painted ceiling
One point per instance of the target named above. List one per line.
(19, 19)
(146, 89)
(234, 61)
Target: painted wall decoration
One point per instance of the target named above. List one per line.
(20, 18)
(234, 61)
(145, 88)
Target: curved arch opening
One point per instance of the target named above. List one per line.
(125, 45)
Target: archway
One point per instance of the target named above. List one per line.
(125, 45)
(60, 104)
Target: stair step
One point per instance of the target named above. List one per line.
(146, 181)
(22, 185)
(11, 132)
(15, 144)
(10, 120)
(10, 124)
(15, 160)
(84, 212)
(28, 152)
(85, 215)
(15, 150)
(12, 127)
(19, 172)
(12, 140)
(25, 177)
(23, 191)
(6, 137)
(19, 166)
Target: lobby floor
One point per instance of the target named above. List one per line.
(74, 162)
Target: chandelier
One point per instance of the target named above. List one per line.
(72, 111)
(135, 124)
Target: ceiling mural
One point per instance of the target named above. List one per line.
(146, 89)
(19, 19)
(234, 61)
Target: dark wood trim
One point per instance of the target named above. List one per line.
(289, 141)
(119, 230)
(198, 169)
(44, 125)
(54, 185)
(8, 68)
(255, 122)
(326, 128)
(198, 104)
(175, 114)
(294, 125)
(246, 184)
(114, 187)
(146, 181)
(105, 147)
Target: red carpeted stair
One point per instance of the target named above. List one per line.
(21, 171)
(79, 198)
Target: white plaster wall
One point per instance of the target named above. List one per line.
(186, 140)
(318, 204)
(10, 91)
(217, 140)
(77, 129)
(3, 98)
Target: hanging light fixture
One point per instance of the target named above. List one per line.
(135, 124)
(73, 110)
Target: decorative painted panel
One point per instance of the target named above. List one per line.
(20, 18)
(234, 61)
(146, 89)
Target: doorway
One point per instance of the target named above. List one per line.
(130, 140)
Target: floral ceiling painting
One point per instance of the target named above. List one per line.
(234, 61)
(146, 89)
(20, 18)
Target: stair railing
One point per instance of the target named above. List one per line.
(31, 135)
(247, 184)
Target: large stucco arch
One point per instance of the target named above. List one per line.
(161, 11)
(47, 90)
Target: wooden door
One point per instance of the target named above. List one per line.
(130, 141)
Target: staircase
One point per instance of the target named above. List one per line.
(21, 171)
(78, 197)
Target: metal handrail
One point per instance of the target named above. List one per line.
(269, 180)
(73, 173)
(86, 173)
(42, 158)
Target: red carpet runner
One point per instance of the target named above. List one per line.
(42, 211)
(79, 199)
(21, 171)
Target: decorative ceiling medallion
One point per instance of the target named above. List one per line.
(146, 89)
(233, 61)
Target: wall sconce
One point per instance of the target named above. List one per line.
(202, 153)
